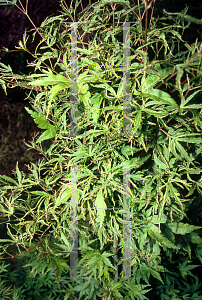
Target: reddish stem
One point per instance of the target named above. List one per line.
(27, 249)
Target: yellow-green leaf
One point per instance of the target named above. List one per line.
(101, 206)
(51, 79)
(160, 97)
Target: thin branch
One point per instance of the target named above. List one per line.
(71, 295)
(27, 249)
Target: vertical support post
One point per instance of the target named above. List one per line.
(74, 132)
(74, 225)
(73, 83)
(126, 223)
(126, 169)
(126, 80)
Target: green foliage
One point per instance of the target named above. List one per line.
(163, 153)
(42, 123)
(8, 2)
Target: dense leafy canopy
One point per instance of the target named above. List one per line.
(162, 153)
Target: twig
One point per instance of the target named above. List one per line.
(71, 295)
(27, 249)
